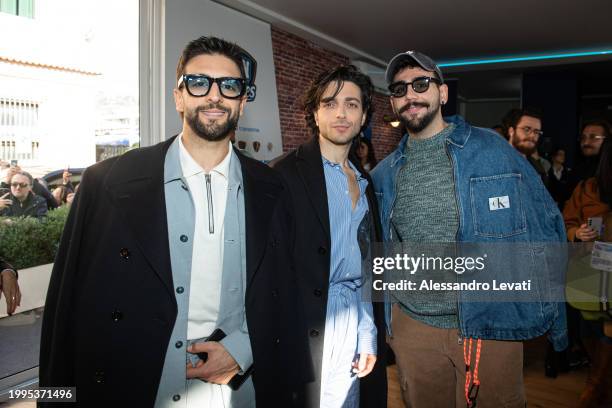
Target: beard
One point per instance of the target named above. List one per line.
(214, 131)
(416, 124)
(527, 148)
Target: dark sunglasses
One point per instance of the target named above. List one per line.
(22, 185)
(199, 85)
(419, 85)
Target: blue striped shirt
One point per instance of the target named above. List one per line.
(345, 260)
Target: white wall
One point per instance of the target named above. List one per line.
(189, 19)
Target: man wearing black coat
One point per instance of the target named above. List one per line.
(326, 253)
(149, 268)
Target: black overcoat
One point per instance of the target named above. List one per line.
(111, 306)
(303, 172)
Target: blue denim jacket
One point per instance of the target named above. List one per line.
(483, 163)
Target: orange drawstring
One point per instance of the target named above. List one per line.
(471, 386)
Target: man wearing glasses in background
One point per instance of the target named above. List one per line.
(449, 182)
(171, 285)
(591, 138)
(524, 129)
(21, 200)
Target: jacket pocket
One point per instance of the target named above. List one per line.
(497, 208)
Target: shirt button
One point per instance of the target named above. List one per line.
(180, 290)
(124, 253)
(178, 344)
(314, 333)
(184, 239)
(99, 377)
(116, 315)
(176, 397)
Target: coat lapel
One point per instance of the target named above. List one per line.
(310, 168)
(136, 183)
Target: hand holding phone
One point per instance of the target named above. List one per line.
(224, 367)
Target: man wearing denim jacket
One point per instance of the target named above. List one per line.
(449, 182)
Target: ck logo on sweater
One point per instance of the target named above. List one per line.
(499, 203)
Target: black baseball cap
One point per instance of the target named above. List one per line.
(420, 59)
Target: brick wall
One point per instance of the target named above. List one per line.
(296, 63)
(384, 136)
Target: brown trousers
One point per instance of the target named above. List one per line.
(432, 367)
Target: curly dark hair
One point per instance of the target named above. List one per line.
(337, 75)
(210, 46)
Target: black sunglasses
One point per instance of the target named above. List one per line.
(199, 85)
(419, 85)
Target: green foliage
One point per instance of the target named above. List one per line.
(27, 242)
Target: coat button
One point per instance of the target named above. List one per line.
(99, 377)
(178, 344)
(124, 253)
(274, 293)
(184, 238)
(277, 341)
(116, 315)
(176, 397)
(317, 292)
(322, 250)
(314, 333)
(180, 290)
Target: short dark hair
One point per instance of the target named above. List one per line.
(598, 122)
(513, 117)
(339, 75)
(210, 46)
(409, 63)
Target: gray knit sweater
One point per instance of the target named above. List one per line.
(425, 211)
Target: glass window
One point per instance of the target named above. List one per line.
(23, 8)
(68, 98)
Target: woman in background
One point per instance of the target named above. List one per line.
(365, 153)
(593, 198)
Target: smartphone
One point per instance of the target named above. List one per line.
(236, 380)
(217, 335)
(596, 223)
(14, 163)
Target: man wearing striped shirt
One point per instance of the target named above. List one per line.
(334, 224)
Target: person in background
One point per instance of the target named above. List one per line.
(39, 188)
(60, 193)
(543, 162)
(21, 201)
(524, 129)
(592, 136)
(500, 129)
(558, 179)
(9, 286)
(593, 198)
(365, 152)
